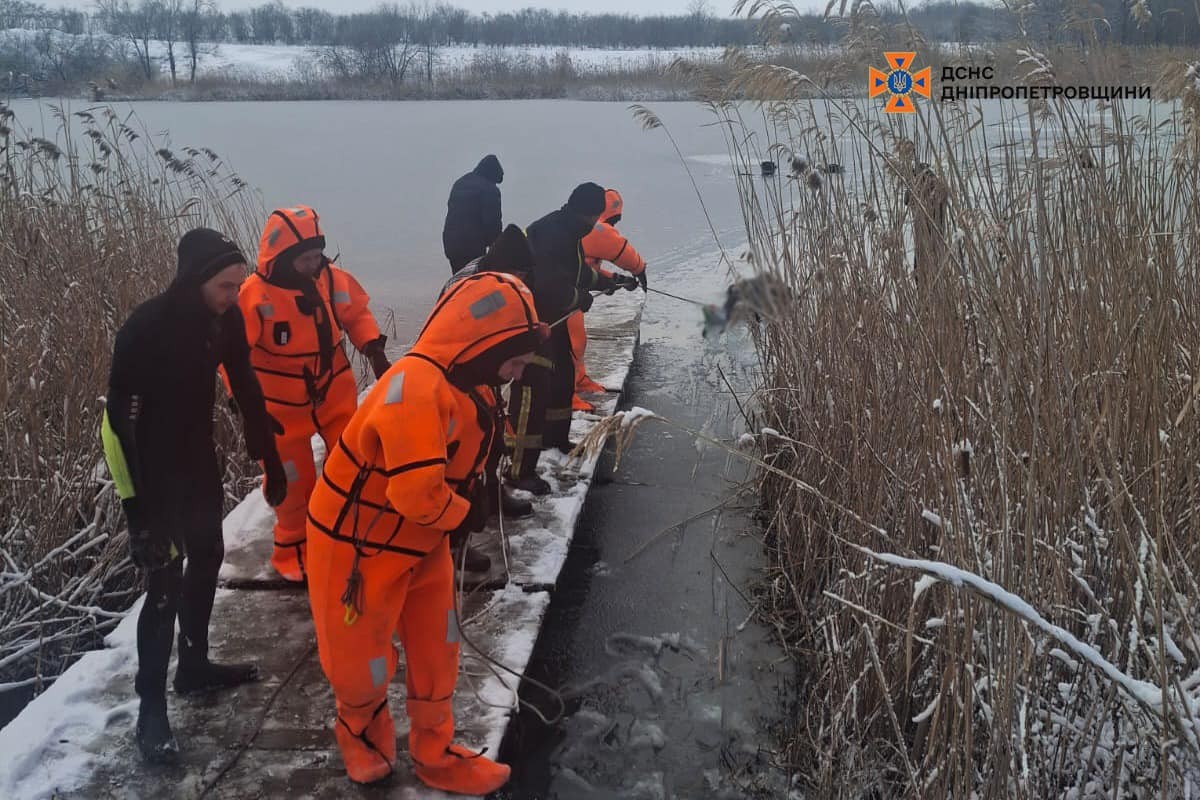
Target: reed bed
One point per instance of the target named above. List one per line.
(980, 434)
(90, 220)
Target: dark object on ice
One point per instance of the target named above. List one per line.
(768, 168)
(748, 299)
(833, 169)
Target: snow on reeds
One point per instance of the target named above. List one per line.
(987, 375)
(90, 217)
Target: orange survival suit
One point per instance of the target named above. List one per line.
(295, 327)
(604, 243)
(393, 486)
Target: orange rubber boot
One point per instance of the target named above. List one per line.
(442, 765)
(369, 754)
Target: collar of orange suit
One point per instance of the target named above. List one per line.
(475, 315)
(288, 232)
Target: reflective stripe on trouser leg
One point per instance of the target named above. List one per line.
(359, 660)
(291, 516)
(521, 441)
(431, 654)
(527, 411)
(560, 390)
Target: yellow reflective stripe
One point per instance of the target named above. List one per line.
(541, 361)
(118, 467)
(518, 455)
(531, 441)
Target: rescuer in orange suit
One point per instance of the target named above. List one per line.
(604, 243)
(406, 477)
(297, 306)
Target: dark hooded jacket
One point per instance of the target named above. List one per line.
(159, 408)
(561, 274)
(473, 217)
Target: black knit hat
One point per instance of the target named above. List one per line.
(203, 253)
(509, 253)
(587, 200)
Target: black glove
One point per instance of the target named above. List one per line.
(641, 279)
(375, 354)
(585, 301)
(627, 282)
(476, 518)
(275, 480)
(148, 550)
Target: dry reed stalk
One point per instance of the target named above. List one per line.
(1017, 412)
(91, 214)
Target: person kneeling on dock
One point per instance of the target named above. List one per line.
(158, 442)
(405, 479)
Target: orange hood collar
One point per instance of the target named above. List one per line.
(488, 311)
(289, 231)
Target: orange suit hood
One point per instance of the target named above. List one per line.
(492, 320)
(288, 232)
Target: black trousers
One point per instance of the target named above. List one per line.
(183, 590)
(539, 407)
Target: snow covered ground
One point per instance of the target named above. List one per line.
(272, 738)
(282, 61)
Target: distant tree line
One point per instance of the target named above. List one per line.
(395, 42)
(1173, 22)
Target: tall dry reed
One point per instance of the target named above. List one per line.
(89, 220)
(1018, 404)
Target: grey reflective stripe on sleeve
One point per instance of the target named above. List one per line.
(395, 390)
(450, 430)
(488, 304)
(452, 636)
(378, 667)
(289, 469)
(266, 310)
(341, 297)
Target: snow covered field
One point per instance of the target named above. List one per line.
(289, 61)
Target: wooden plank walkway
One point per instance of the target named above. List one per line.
(273, 738)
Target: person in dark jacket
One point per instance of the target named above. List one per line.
(509, 254)
(473, 217)
(158, 441)
(540, 405)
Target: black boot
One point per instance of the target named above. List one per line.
(154, 738)
(195, 673)
(500, 499)
(476, 560)
(533, 484)
(564, 447)
(514, 507)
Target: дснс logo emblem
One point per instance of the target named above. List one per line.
(899, 83)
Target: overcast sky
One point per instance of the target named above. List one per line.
(640, 7)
